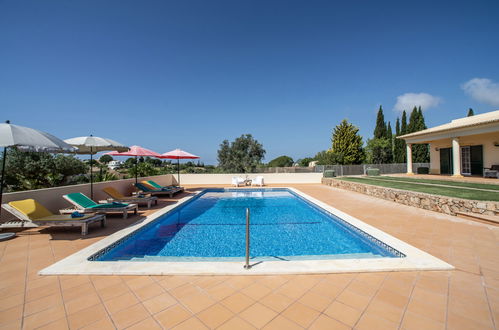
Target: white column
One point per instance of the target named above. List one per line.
(409, 159)
(456, 159)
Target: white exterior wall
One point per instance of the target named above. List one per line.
(269, 178)
(490, 151)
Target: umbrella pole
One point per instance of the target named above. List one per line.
(91, 177)
(136, 169)
(178, 171)
(3, 175)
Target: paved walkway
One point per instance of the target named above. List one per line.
(466, 298)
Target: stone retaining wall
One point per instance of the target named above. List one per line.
(442, 204)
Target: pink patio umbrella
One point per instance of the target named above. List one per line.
(136, 151)
(178, 154)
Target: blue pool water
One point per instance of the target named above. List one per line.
(212, 227)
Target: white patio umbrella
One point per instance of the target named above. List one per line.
(27, 139)
(90, 145)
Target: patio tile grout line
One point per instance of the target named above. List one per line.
(410, 299)
(25, 282)
(370, 300)
(491, 313)
(102, 302)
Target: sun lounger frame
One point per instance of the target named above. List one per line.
(83, 223)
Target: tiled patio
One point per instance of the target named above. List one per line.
(466, 298)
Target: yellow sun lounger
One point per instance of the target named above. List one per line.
(29, 210)
(119, 197)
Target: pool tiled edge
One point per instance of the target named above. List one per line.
(414, 259)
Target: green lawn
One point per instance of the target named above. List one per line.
(458, 191)
(444, 182)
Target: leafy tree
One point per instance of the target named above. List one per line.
(305, 161)
(328, 157)
(380, 130)
(36, 170)
(347, 143)
(470, 112)
(379, 151)
(241, 156)
(104, 159)
(129, 163)
(143, 169)
(282, 161)
(154, 161)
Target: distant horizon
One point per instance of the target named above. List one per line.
(166, 75)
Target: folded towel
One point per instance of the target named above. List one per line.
(76, 214)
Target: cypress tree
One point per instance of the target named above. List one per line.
(403, 124)
(413, 121)
(380, 129)
(389, 137)
(470, 112)
(420, 152)
(398, 145)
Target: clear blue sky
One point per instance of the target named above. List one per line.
(189, 74)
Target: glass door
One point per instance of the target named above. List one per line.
(465, 160)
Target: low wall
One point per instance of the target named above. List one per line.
(447, 205)
(52, 197)
(269, 178)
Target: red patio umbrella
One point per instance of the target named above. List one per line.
(178, 154)
(136, 151)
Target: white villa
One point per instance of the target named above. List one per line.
(465, 146)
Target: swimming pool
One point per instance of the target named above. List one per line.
(211, 227)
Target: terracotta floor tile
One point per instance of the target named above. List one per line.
(46, 302)
(173, 282)
(184, 291)
(44, 317)
(256, 291)
(119, 303)
(60, 324)
(215, 315)
(11, 301)
(326, 323)
(281, 322)
(315, 301)
(300, 314)
(257, 315)
(220, 291)
(43, 291)
(276, 301)
(413, 321)
(370, 321)
(149, 324)
(102, 324)
(76, 305)
(78, 291)
(129, 316)
(82, 319)
(458, 322)
(11, 314)
(172, 316)
(432, 311)
(148, 291)
(191, 324)
(113, 291)
(197, 302)
(138, 281)
(236, 323)
(387, 311)
(273, 282)
(237, 302)
(392, 298)
(292, 290)
(353, 299)
(159, 303)
(344, 313)
(362, 288)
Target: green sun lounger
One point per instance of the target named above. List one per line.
(148, 189)
(85, 205)
(157, 186)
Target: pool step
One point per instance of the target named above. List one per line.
(489, 219)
